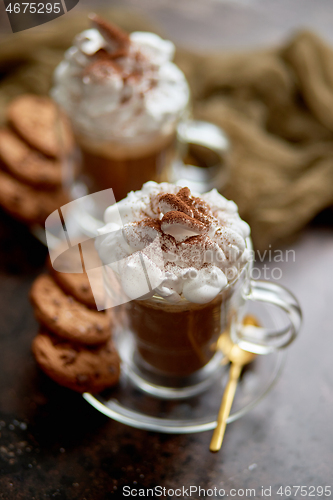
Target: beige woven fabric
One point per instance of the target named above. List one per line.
(276, 106)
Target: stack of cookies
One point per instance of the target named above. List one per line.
(33, 146)
(74, 345)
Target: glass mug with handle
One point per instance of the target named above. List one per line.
(170, 350)
(128, 104)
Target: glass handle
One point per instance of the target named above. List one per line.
(208, 142)
(260, 340)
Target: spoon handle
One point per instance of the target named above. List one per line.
(225, 408)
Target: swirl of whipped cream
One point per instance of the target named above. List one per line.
(116, 86)
(192, 247)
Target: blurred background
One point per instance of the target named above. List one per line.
(212, 24)
(261, 70)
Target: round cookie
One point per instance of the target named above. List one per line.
(80, 368)
(38, 121)
(65, 317)
(75, 284)
(27, 164)
(26, 203)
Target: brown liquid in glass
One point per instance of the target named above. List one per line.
(124, 175)
(177, 339)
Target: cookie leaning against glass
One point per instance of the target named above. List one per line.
(77, 367)
(74, 345)
(183, 265)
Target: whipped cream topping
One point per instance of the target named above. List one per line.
(118, 86)
(165, 241)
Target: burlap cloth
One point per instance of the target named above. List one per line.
(276, 106)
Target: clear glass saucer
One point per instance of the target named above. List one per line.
(131, 406)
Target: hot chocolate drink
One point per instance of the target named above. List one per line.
(175, 255)
(125, 98)
(123, 169)
(177, 339)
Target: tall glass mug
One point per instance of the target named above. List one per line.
(124, 164)
(171, 350)
(189, 151)
(129, 106)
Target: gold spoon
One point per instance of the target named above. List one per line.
(238, 358)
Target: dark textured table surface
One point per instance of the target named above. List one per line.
(54, 445)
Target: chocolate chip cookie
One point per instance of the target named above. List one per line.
(40, 123)
(88, 291)
(27, 164)
(65, 316)
(80, 368)
(77, 285)
(27, 204)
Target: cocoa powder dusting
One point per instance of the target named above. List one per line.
(103, 61)
(175, 209)
(176, 203)
(174, 217)
(101, 69)
(109, 30)
(190, 212)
